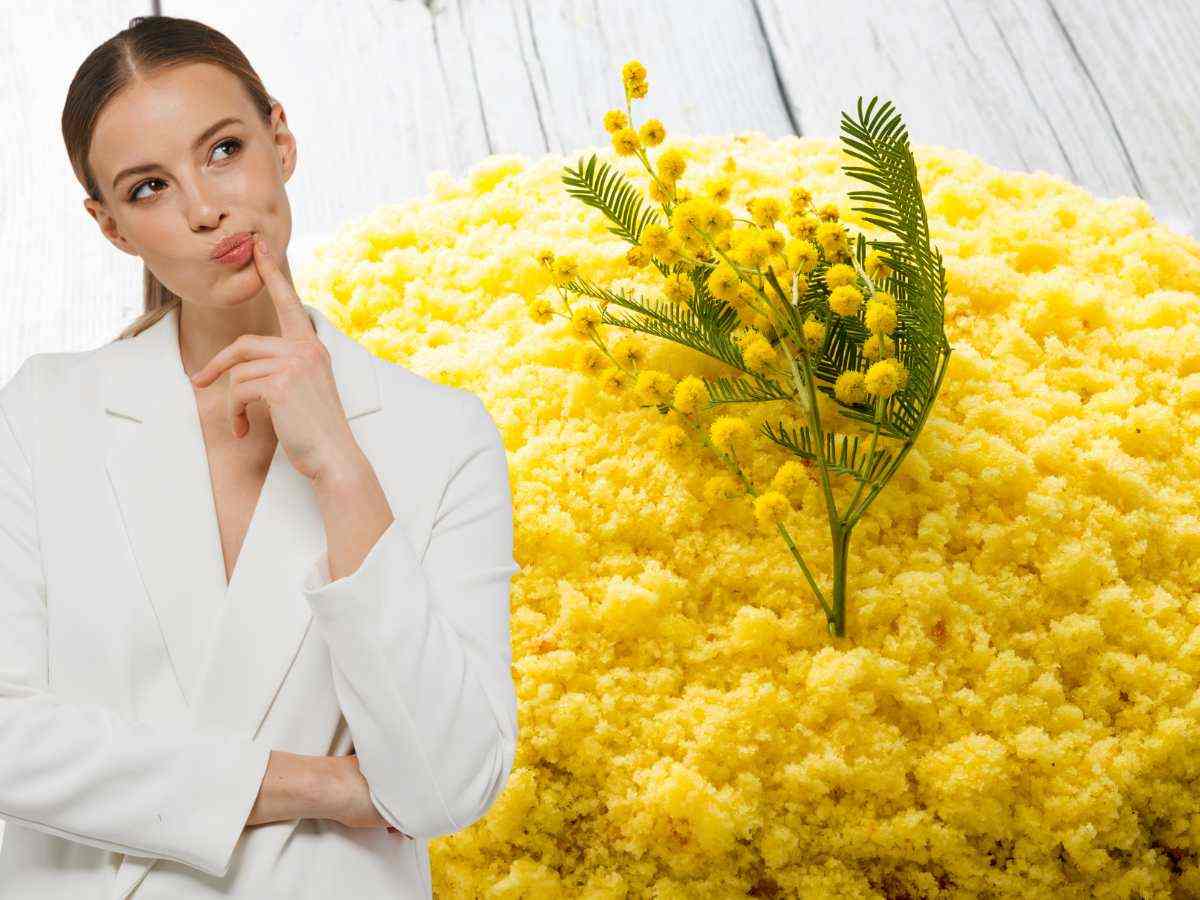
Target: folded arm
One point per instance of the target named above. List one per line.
(420, 647)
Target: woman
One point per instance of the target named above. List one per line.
(254, 634)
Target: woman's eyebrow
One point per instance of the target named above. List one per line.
(204, 136)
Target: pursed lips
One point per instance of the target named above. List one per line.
(231, 243)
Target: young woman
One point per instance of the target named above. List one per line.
(254, 581)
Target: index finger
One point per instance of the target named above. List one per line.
(293, 320)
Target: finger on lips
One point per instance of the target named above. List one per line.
(293, 320)
(294, 324)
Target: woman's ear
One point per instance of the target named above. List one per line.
(285, 141)
(108, 225)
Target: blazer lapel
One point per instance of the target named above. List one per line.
(159, 472)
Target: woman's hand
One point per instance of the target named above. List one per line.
(292, 375)
(352, 805)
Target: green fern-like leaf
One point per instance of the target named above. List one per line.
(600, 186)
(705, 326)
(798, 440)
(918, 280)
(844, 454)
(741, 390)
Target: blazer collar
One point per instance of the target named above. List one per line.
(230, 645)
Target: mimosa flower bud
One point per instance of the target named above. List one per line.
(771, 507)
(564, 269)
(672, 439)
(614, 120)
(654, 387)
(840, 274)
(637, 256)
(850, 387)
(880, 317)
(801, 255)
(628, 352)
(652, 132)
(614, 381)
(671, 165)
(730, 434)
(800, 198)
(845, 300)
(765, 210)
(814, 333)
(882, 378)
(790, 477)
(878, 346)
(625, 141)
(691, 395)
(722, 281)
(589, 359)
(584, 320)
(721, 489)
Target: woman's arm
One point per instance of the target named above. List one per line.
(298, 786)
(420, 648)
(81, 771)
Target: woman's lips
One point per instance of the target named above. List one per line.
(240, 254)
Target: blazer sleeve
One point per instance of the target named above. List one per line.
(420, 648)
(81, 771)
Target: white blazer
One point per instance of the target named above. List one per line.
(140, 696)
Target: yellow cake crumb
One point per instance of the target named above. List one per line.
(1013, 709)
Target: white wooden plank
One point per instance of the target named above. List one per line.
(1141, 59)
(491, 41)
(999, 79)
(66, 287)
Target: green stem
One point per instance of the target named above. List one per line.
(814, 418)
(841, 555)
(870, 453)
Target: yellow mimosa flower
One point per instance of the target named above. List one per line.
(615, 120)
(690, 394)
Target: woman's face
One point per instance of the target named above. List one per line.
(201, 186)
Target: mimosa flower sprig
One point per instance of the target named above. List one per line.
(792, 313)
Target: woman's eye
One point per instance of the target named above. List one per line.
(133, 194)
(234, 141)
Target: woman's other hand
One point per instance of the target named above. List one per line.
(351, 803)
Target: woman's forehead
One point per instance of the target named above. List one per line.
(163, 114)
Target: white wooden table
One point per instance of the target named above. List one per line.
(382, 92)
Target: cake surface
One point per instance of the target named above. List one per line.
(1014, 707)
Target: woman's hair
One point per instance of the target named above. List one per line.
(149, 45)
